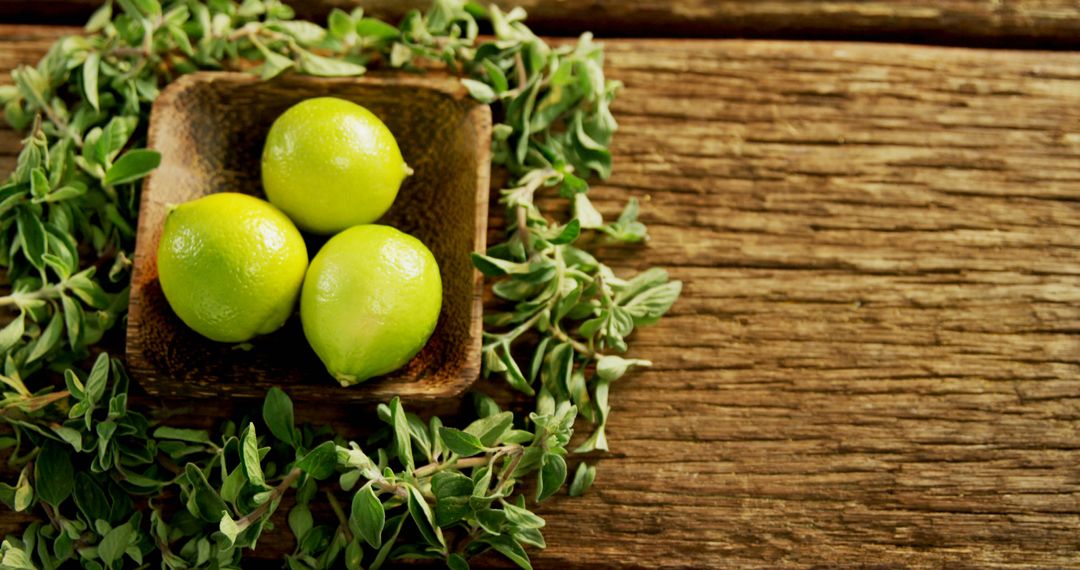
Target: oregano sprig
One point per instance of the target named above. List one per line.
(143, 491)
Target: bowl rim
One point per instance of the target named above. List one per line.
(476, 115)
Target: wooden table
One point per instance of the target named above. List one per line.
(875, 360)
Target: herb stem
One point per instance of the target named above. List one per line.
(62, 125)
(577, 344)
(275, 494)
(343, 521)
(506, 477)
(467, 462)
(519, 66)
(523, 229)
(124, 51)
(517, 331)
(46, 293)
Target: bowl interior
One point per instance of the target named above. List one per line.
(210, 130)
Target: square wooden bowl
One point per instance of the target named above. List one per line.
(210, 128)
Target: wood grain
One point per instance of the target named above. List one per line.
(875, 360)
(992, 23)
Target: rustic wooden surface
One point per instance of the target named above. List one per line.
(875, 360)
(1032, 23)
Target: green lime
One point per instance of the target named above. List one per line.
(231, 266)
(370, 301)
(331, 164)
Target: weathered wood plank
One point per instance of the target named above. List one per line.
(876, 358)
(1030, 23)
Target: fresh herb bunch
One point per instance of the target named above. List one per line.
(416, 489)
(119, 491)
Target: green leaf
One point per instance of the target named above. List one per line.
(114, 137)
(277, 413)
(585, 213)
(21, 496)
(229, 528)
(16, 558)
(529, 536)
(610, 367)
(54, 474)
(514, 376)
(307, 33)
(559, 99)
(89, 291)
(496, 76)
(567, 233)
(249, 457)
(300, 521)
(89, 498)
(457, 562)
(232, 485)
(320, 462)
(402, 441)
(71, 436)
(556, 377)
(104, 431)
(274, 63)
(491, 428)
(326, 67)
(583, 479)
(627, 228)
(340, 24)
(485, 405)
(90, 79)
(39, 183)
(376, 29)
(146, 7)
(651, 304)
(73, 321)
(12, 333)
(49, 339)
(203, 501)
(494, 267)
(73, 384)
(112, 546)
(133, 165)
(179, 434)
(251, 9)
(420, 435)
(510, 548)
(380, 557)
(424, 519)
(452, 491)
(354, 554)
(462, 443)
(491, 520)
(100, 18)
(95, 382)
(598, 440)
(522, 517)
(479, 91)
(552, 476)
(32, 235)
(368, 516)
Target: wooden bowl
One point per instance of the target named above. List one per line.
(210, 128)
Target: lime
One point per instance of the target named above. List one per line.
(370, 301)
(231, 266)
(331, 164)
